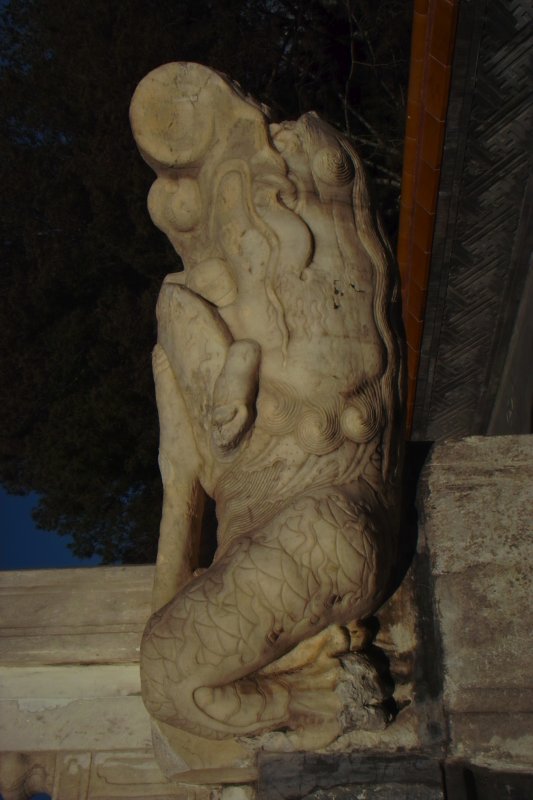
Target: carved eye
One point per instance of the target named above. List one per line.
(332, 165)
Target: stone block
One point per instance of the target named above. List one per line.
(135, 774)
(476, 502)
(310, 776)
(466, 781)
(79, 707)
(71, 775)
(71, 616)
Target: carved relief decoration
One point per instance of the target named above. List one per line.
(279, 390)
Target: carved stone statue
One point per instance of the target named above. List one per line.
(278, 384)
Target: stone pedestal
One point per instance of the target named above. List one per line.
(72, 722)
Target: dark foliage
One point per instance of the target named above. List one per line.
(81, 261)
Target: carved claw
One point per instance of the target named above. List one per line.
(360, 635)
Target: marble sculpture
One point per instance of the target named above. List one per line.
(279, 390)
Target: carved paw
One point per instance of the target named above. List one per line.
(229, 424)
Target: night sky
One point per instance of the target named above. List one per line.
(23, 546)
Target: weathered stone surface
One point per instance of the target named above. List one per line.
(502, 739)
(136, 774)
(383, 791)
(405, 642)
(69, 651)
(476, 504)
(88, 775)
(465, 781)
(73, 616)
(72, 722)
(307, 776)
(237, 793)
(79, 707)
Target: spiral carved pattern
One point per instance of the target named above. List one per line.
(333, 166)
(361, 420)
(278, 409)
(318, 430)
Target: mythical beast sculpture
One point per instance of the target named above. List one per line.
(278, 384)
